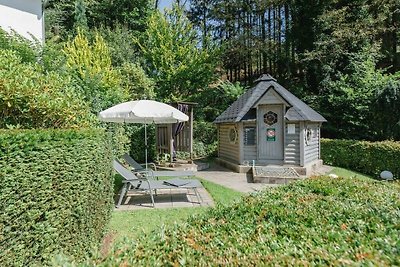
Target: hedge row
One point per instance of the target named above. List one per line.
(316, 222)
(366, 157)
(56, 194)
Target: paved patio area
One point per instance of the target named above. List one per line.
(167, 198)
(236, 181)
(178, 198)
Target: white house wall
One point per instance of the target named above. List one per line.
(23, 16)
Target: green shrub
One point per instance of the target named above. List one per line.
(205, 139)
(316, 222)
(24, 48)
(202, 150)
(366, 157)
(138, 147)
(30, 98)
(205, 132)
(56, 192)
(89, 63)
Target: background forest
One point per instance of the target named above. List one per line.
(341, 57)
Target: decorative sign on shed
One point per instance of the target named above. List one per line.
(272, 127)
(271, 134)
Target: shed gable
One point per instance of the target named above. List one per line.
(271, 97)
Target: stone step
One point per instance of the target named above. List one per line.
(275, 180)
(275, 175)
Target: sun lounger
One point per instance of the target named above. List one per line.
(153, 173)
(133, 182)
(135, 165)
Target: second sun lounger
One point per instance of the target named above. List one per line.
(133, 182)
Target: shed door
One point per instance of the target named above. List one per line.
(270, 133)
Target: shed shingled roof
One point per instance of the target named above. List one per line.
(299, 111)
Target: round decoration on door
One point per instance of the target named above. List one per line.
(270, 118)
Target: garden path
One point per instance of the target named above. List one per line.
(236, 181)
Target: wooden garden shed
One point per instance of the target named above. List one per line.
(269, 126)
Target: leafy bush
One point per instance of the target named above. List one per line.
(30, 98)
(24, 48)
(139, 85)
(319, 221)
(205, 139)
(361, 101)
(90, 65)
(366, 157)
(137, 149)
(56, 192)
(205, 132)
(203, 150)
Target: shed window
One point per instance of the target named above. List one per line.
(249, 136)
(233, 135)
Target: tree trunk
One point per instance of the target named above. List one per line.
(269, 41)
(263, 41)
(287, 40)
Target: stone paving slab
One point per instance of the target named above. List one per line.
(166, 198)
(236, 181)
(239, 181)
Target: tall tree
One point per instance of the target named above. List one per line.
(62, 16)
(173, 57)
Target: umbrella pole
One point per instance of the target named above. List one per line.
(145, 142)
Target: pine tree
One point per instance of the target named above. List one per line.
(80, 15)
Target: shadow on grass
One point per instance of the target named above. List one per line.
(132, 224)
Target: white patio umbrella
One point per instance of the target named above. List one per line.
(144, 112)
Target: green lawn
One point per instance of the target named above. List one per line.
(345, 173)
(349, 221)
(132, 224)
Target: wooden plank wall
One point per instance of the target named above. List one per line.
(311, 150)
(183, 139)
(162, 139)
(227, 150)
(250, 152)
(292, 146)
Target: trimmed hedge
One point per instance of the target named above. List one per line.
(316, 222)
(56, 194)
(366, 157)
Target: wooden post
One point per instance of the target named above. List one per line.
(157, 140)
(171, 141)
(191, 133)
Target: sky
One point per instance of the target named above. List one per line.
(165, 3)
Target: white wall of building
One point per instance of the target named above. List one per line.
(23, 16)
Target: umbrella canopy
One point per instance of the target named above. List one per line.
(143, 111)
